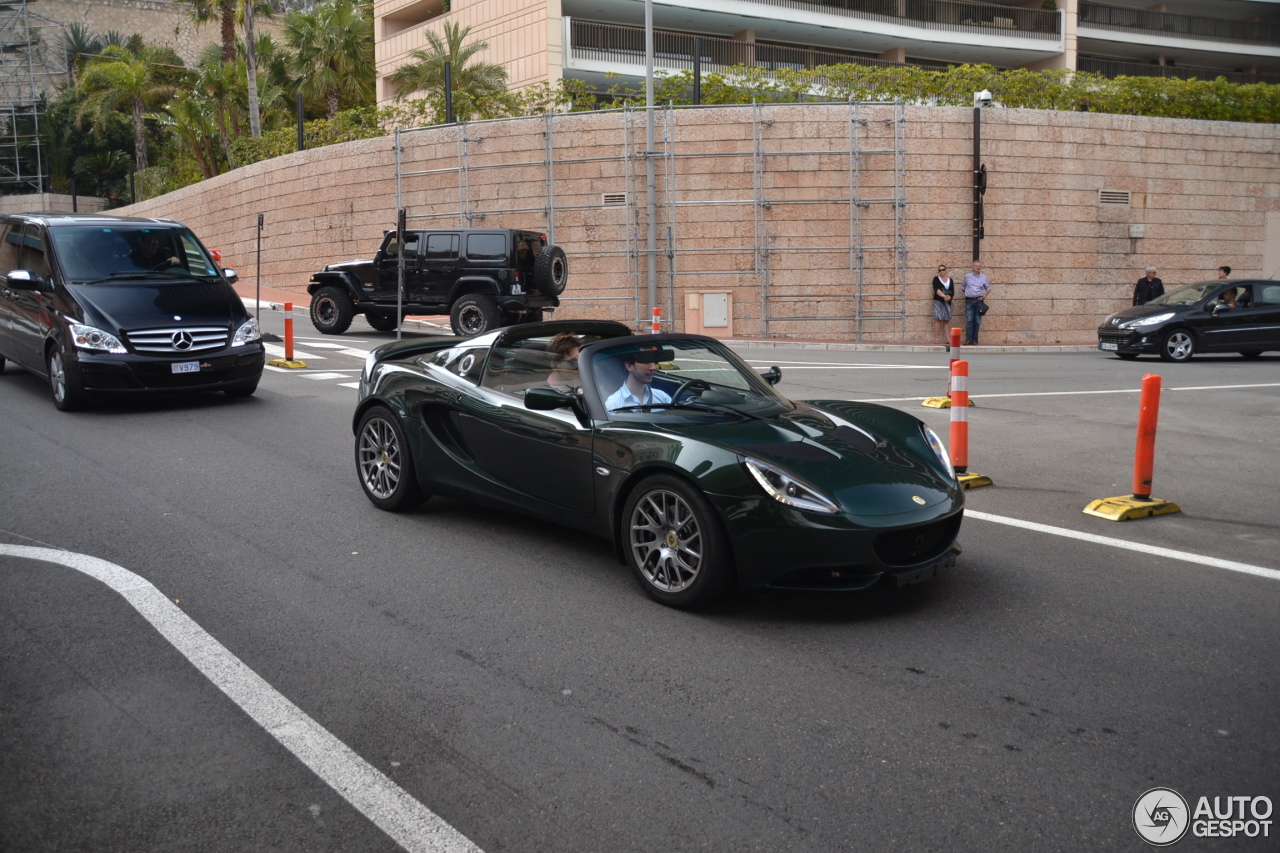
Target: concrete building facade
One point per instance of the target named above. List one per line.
(1077, 205)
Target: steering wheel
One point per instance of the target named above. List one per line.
(688, 385)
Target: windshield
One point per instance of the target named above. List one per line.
(102, 253)
(1186, 295)
(677, 379)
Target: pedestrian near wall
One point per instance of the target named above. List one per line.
(1224, 271)
(944, 288)
(976, 288)
(1148, 288)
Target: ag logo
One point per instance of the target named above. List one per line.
(1161, 817)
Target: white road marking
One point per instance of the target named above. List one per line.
(349, 384)
(329, 340)
(1067, 393)
(807, 365)
(1153, 550)
(278, 352)
(409, 823)
(324, 375)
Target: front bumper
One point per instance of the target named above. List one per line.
(1128, 341)
(779, 547)
(101, 373)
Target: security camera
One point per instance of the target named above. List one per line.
(982, 99)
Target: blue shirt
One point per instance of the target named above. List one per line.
(624, 397)
(975, 284)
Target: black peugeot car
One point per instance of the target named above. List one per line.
(1213, 316)
(110, 305)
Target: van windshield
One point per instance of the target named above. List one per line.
(103, 253)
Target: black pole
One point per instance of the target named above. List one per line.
(977, 169)
(302, 144)
(400, 218)
(448, 93)
(257, 275)
(74, 209)
(697, 71)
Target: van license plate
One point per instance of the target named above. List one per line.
(1109, 346)
(185, 367)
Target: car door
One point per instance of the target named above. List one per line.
(1266, 295)
(387, 269)
(30, 316)
(1242, 327)
(439, 266)
(10, 241)
(545, 455)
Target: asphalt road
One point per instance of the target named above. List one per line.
(511, 678)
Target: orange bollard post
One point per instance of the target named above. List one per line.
(960, 415)
(960, 428)
(657, 320)
(947, 402)
(1140, 504)
(1144, 455)
(288, 331)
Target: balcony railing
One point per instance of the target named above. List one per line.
(951, 15)
(1117, 68)
(1183, 26)
(674, 51)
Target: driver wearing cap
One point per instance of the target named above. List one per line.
(637, 389)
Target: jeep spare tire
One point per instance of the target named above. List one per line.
(550, 271)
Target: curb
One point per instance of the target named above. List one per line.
(837, 347)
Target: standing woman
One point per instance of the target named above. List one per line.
(943, 289)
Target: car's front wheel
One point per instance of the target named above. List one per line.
(383, 321)
(1177, 345)
(474, 314)
(384, 462)
(1127, 356)
(332, 311)
(68, 394)
(674, 543)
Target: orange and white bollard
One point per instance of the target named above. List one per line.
(960, 427)
(288, 360)
(1140, 504)
(947, 402)
(657, 319)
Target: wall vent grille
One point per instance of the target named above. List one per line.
(1113, 197)
(611, 199)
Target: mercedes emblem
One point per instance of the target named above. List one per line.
(182, 340)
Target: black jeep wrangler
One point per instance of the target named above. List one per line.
(482, 278)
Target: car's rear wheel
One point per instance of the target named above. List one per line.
(1177, 345)
(384, 462)
(474, 314)
(332, 311)
(674, 543)
(550, 271)
(383, 321)
(68, 394)
(1127, 356)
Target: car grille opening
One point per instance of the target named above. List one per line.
(920, 544)
(179, 340)
(1114, 337)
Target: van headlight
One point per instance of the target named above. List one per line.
(96, 340)
(939, 449)
(786, 489)
(247, 333)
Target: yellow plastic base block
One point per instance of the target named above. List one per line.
(1126, 507)
(281, 362)
(971, 480)
(941, 403)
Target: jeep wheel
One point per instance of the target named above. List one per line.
(382, 320)
(331, 311)
(550, 271)
(474, 314)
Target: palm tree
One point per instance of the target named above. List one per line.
(219, 84)
(333, 48)
(103, 167)
(78, 46)
(188, 116)
(426, 72)
(118, 79)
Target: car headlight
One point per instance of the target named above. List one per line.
(1147, 321)
(247, 333)
(89, 338)
(786, 489)
(939, 449)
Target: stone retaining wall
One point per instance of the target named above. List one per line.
(1199, 193)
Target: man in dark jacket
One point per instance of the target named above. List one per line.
(1148, 288)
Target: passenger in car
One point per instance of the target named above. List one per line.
(1228, 298)
(146, 254)
(637, 389)
(564, 375)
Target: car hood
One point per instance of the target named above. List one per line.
(873, 461)
(142, 305)
(1137, 311)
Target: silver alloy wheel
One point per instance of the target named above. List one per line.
(471, 320)
(1179, 346)
(380, 458)
(666, 540)
(58, 376)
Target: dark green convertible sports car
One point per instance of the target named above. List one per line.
(669, 445)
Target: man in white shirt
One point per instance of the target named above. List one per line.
(638, 388)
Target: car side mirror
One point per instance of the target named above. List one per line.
(230, 276)
(25, 280)
(1218, 308)
(547, 399)
(773, 375)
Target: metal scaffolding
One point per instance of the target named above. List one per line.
(799, 292)
(30, 60)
